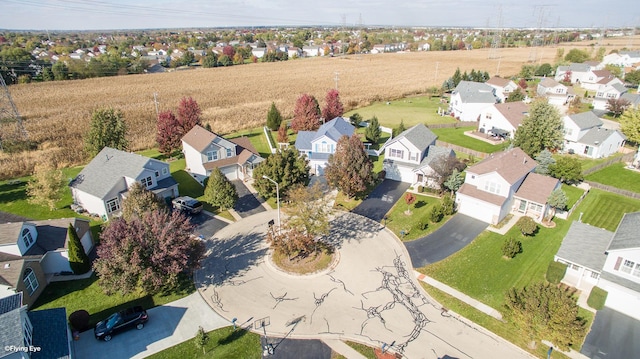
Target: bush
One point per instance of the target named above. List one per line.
(511, 247)
(79, 320)
(597, 298)
(422, 224)
(436, 213)
(555, 272)
(527, 225)
(448, 205)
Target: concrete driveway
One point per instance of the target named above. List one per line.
(206, 224)
(613, 335)
(381, 199)
(247, 204)
(454, 235)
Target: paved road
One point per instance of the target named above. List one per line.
(207, 225)
(613, 335)
(381, 199)
(296, 349)
(247, 204)
(454, 235)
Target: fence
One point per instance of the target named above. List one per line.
(627, 157)
(461, 149)
(267, 133)
(455, 124)
(613, 189)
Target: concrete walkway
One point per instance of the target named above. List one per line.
(343, 349)
(506, 226)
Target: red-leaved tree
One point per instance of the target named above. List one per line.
(147, 252)
(283, 137)
(349, 169)
(306, 115)
(229, 51)
(188, 115)
(169, 132)
(409, 199)
(333, 107)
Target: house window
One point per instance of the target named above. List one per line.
(595, 275)
(228, 152)
(600, 94)
(147, 182)
(27, 238)
(611, 95)
(157, 174)
(569, 131)
(212, 156)
(113, 205)
(324, 147)
(575, 266)
(636, 270)
(165, 170)
(27, 329)
(413, 156)
(559, 90)
(30, 281)
(535, 207)
(627, 266)
(396, 153)
(492, 187)
(488, 116)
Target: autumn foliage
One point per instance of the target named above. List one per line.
(333, 107)
(349, 169)
(306, 116)
(171, 128)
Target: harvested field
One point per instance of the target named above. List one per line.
(57, 114)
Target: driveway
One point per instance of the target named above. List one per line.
(613, 335)
(381, 199)
(454, 235)
(247, 204)
(207, 225)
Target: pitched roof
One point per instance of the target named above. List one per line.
(10, 303)
(10, 269)
(10, 232)
(549, 82)
(10, 217)
(633, 98)
(107, 169)
(578, 67)
(475, 92)
(512, 164)
(498, 81)
(474, 192)
(626, 235)
(303, 140)
(586, 120)
(10, 331)
(514, 112)
(585, 245)
(335, 129)
(597, 135)
(50, 333)
(419, 136)
(433, 153)
(537, 188)
(200, 138)
(52, 234)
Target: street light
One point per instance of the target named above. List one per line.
(277, 197)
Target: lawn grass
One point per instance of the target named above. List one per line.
(605, 209)
(365, 350)
(456, 136)
(411, 111)
(222, 343)
(384, 137)
(88, 295)
(617, 176)
(586, 162)
(257, 138)
(573, 194)
(398, 221)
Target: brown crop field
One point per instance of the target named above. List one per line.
(56, 114)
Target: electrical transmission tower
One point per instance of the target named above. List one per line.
(9, 115)
(496, 42)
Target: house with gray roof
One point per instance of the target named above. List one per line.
(585, 135)
(608, 89)
(556, 93)
(469, 98)
(318, 145)
(102, 185)
(576, 72)
(410, 157)
(633, 98)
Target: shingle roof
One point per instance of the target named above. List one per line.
(107, 169)
(512, 165)
(52, 234)
(585, 245)
(549, 82)
(333, 129)
(10, 232)
(200, 138)
(10, 269)
(418, 135)
(498, 81)
(626, 235)
(10, 218)
(10, 331)
(577, 67)
(514, 112)
(633, 98)
(475, 92)
(488, 197)
(10, 303)
(537, 188)
(50, 333)
(596, 136)
(433, 153)
(586, 120)
(619, 87)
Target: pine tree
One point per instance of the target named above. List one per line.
(107, 129)
(373, 132)
(78, 259)
(400, 129)
(274, 118)
(220, 192)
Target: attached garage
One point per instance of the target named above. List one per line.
(477, 209)
(231, 172)
(621, 299)
(399, 173)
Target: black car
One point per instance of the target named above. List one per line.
(121, 321)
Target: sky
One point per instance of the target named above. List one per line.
(163, 14)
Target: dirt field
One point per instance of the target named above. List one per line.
(57, 114)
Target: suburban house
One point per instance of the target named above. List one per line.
(319, 145)
(503, 118)
(598, 78)
(622, 58)
(555, 92)
(102, 185)
(469, 98)
(502, 86)
(576, 72)
(609, 89)
(496, 186)
(633, 98)
(611, 261)
(409, 156)
(33, 252)
(45, 329)
(585, 136)
(204, 150)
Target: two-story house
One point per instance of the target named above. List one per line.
(101, 186)
(503, 118)
(319, 145)
(204, 150)
(502, 86)
(469, 98)
(409, 156)
(584, 135)
(555, 92)
(575, 72)
(607, 90)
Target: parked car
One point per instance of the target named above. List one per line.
(133, 317)
(187, 204)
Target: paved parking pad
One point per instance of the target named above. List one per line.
(613, 335)
(207, 225)
(247, 203)
(381, 199)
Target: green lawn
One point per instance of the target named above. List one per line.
(588, 163)
(617, 176)
(456, 136)
(411, 111)
(384, 136)
(398, 221)
(257, 138)
(365, 350)
(222, 343)
(605, 209)
(573, 194)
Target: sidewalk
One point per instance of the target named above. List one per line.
(459, 295)
(507, 226)
(343, 349)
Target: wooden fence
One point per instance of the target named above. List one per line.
(627, 157)
(613, 189)
(455, 124)
(476, 154)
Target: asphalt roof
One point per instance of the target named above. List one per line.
(50, 333)
(585, 245)
(10, 331)
(596, 136)
(586, 120)
(433, 153)
(512, 165)
(333, 129)
(419, 136)
(10, 303)
(537, 187)
(626, 235)
(475, 92)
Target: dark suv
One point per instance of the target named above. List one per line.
(187, 204)
(121, 321)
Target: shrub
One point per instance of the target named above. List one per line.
(597, 298)
(436, 213)
(511, 247)
(79, 320)
(422, 224)
(527, 225)
(555, 272)
(448, 205)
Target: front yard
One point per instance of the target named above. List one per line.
(406, 226)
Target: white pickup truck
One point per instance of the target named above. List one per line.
(187, 204)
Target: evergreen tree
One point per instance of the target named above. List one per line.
(355, 119)
(457, 77)
(274, 118)
(454, 181)
(398, 130)
(557, 200)
(349, 169)
(78, 259)
(287, 168)
(219, 191)
(544, 159)
(373, 132)
(107, 129)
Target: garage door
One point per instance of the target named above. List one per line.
(475, 209)
(392, 172)
(230, 172)
(622, 302)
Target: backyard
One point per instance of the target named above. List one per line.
(456, 136)
(410, 110)
(618, 176)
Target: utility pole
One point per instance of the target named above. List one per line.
(9, 113)
(155, 101)
(336, 78)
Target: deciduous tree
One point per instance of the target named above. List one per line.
(139, 201)
(46, 186)
(220, 192)
(541, 129)
(349, 169)
(283, 136)
(630, 125)
(515, 96)
(567, 170)
(148, 253)
(188, 114)
(527, 225)
(306, 115)
(576, 55)
(274, 118)
(373, 132)
(201, 339)
(286, 167)
(107, 129)
(169, 135)
(78, 259)
(409, 199)
(617, 106)
(333, 107)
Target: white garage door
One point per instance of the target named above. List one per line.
(625, 303)
(475, 209)
(230, 172)
(398, 173)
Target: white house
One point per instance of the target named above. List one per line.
(490, 185)
(622, 58)
(575, 72)
(469, 98)
(502, 86)
(318, 145)
(585, 135)
(613, 89)
(531, 197)
(597, 79)
(409, 156)
(102, 185)
(503, 117)
(204, 150)
(555, 92)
